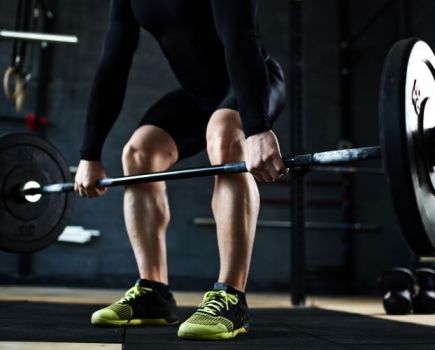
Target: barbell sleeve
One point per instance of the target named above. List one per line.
(320, 158)
(53, 188)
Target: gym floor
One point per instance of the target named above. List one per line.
(58, 318)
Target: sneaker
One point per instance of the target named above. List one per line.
(221, 315)
(139, 306)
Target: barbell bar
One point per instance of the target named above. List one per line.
(299, 161)
(31, 166)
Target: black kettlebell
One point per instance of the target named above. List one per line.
(397, 286)
(423, 301)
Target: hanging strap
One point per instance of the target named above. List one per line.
(18, 95)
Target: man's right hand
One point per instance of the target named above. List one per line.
(87, 175)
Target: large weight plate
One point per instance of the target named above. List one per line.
(27, 227)
(407, 100)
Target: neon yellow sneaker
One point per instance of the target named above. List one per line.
(221, 315)
(139, 306)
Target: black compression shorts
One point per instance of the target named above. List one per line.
(185, 117)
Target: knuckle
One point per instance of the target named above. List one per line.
(87, 184)
(261, 162)
(256, 165)
(254, 172)
(268, 157)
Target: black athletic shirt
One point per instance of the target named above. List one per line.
(209, 44)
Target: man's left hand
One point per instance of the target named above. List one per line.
(263, 157)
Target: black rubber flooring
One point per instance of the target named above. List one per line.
(305, 328)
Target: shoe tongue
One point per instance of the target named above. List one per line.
(218, 286)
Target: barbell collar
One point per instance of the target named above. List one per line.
(320, 158)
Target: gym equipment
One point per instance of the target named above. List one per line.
(29, 15)
(408, 91)
(39, 37)
(34, 223)
(18, 94)
(407, 135)
(423, 301)
(330, 157)
(397, 286)
(309, 225)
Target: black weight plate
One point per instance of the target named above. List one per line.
(406, 92)
(24, 226)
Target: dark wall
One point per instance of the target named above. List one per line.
(192, 251)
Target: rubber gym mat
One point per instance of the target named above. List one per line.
(28, 321)
(299, 328)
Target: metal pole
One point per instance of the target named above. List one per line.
(349, 240)
(299, 161)
(39, 37)
(44, 69)
(280, 224)
(296, 97)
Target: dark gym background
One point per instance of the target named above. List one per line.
(334, 262)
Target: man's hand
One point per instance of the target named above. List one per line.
(87, 175)
(263, 157)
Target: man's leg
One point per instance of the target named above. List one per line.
(146, 214)
(235, 201)
(223, 313)
(146, 209)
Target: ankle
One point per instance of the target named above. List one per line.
(162, 288)
(230, 289)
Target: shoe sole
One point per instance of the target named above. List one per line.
(134, 322)
(217, 336)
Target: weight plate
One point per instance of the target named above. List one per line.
(24, 226)
(407, 95)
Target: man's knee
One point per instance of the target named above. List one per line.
(148, 153)
(225, 140)
(134, 157)
(141, 159)
(225, 147)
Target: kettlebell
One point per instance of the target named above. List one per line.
(397, 286)
(423, 301)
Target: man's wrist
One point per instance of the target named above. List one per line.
(90, 156)
(252, 130)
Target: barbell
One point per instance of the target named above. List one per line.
(37, 189)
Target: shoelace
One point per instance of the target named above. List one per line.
(215, 301)
(134, 292)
